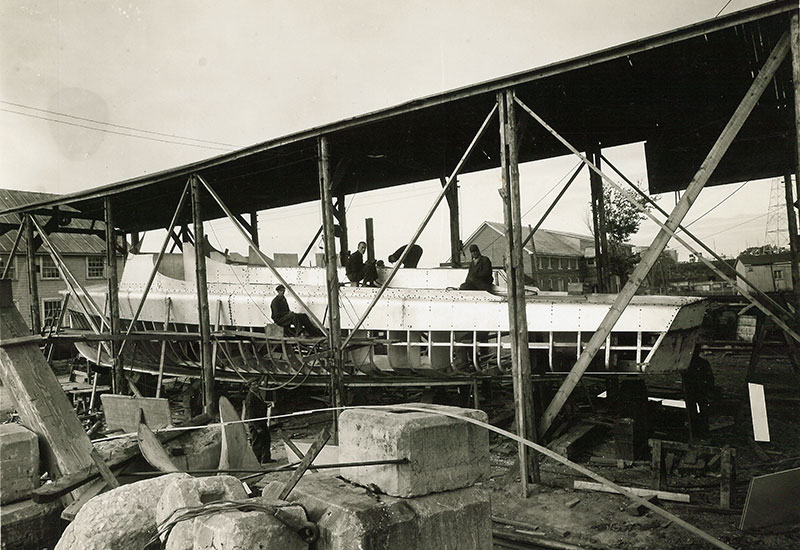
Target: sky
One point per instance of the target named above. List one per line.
(97, 92)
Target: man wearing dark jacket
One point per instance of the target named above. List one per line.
(358, 271)
(412, 258)
(286, 318)
(479, 276)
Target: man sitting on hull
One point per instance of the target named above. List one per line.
(296, 323)
(479, 276)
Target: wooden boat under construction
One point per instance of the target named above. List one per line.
(422, 325)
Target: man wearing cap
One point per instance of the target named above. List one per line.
(286, 318)
(479, 276)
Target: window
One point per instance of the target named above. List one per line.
(51, 308)
(574, 264)
(48, 269)
(549, 263)
(95, 267)
(539, 262)
(778, 274)
(12, 271)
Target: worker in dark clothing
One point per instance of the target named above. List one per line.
(412, 258)
(255, 406)
(698, 386)
(359, 271)
(297, 323)
(479, 276)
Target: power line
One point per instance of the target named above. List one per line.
(723, 7)
(115, 125)
(736, 225)
(112, 131)
(716, 205)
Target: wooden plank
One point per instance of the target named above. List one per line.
(105, 471)
(772, 499)
(568, 444)
(236, 452)
(90, 491)
(43, 407)
(663, 495)
(313, 451)
(112, 279)
(201, 282)
(651, 255)
(122, 412)
(758, 411)
(33, 277)
(153, 451)
(65, 484)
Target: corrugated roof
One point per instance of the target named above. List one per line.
(65, 243)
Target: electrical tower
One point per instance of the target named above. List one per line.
(777, 234)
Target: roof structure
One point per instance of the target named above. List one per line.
(674, 91)
(547, 242)
(65, 243)
(766, 259)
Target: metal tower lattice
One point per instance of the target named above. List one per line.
(777, 234)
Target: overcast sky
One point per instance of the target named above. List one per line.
(178, 81)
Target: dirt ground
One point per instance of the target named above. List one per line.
(601, 520)
(595, 520)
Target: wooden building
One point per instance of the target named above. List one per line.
(84, 255)
(769, 272)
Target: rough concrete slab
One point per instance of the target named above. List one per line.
(189, 492)
(351, 517)
(122, 519)
(197, 450)
(26, 525)
(443, 453)
(19, 462)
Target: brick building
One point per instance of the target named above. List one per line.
(560, 257)
(84, 256)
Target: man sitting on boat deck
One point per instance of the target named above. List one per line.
(412, 258)
(360, 272)
(297, 323)
(479, 276)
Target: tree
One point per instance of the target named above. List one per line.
(623, 220)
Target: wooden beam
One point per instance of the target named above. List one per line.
(518, 322)
(332, 279)
(369, 231)
(209, 407)
(33, 277)
(42, 404)
(599, 225)
(14, 249)
(650, 256)
(340, 211)
(254, 227)
(118, 378)
(553, 204)
(794, 31)
(455, 229)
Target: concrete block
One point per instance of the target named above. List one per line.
(240, 530)
(189, 492)
(19, 462)
(26, 525)
(349, 517)
(122, 519)
(443, 453)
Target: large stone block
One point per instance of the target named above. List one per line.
(26, 525)
(247, 530)
(351, 517)
(19, 462)
(122, 519)
(443, 453)
(190, 492)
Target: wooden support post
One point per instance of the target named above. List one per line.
(332, 279)
(455, 230)
(726, 476)
(13, 251)
(657, 466)
(650, 256)
(599, 225)
(370, 233)
(518, 322)
(136, 243)
(254, 226)
(794, 40)
(118, 378)
(33, 277)
(42, 404)
(794, 246)
(340, 211)
(209, 406)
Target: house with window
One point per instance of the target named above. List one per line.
(771, 272)
(559, 258)
(83, 254)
